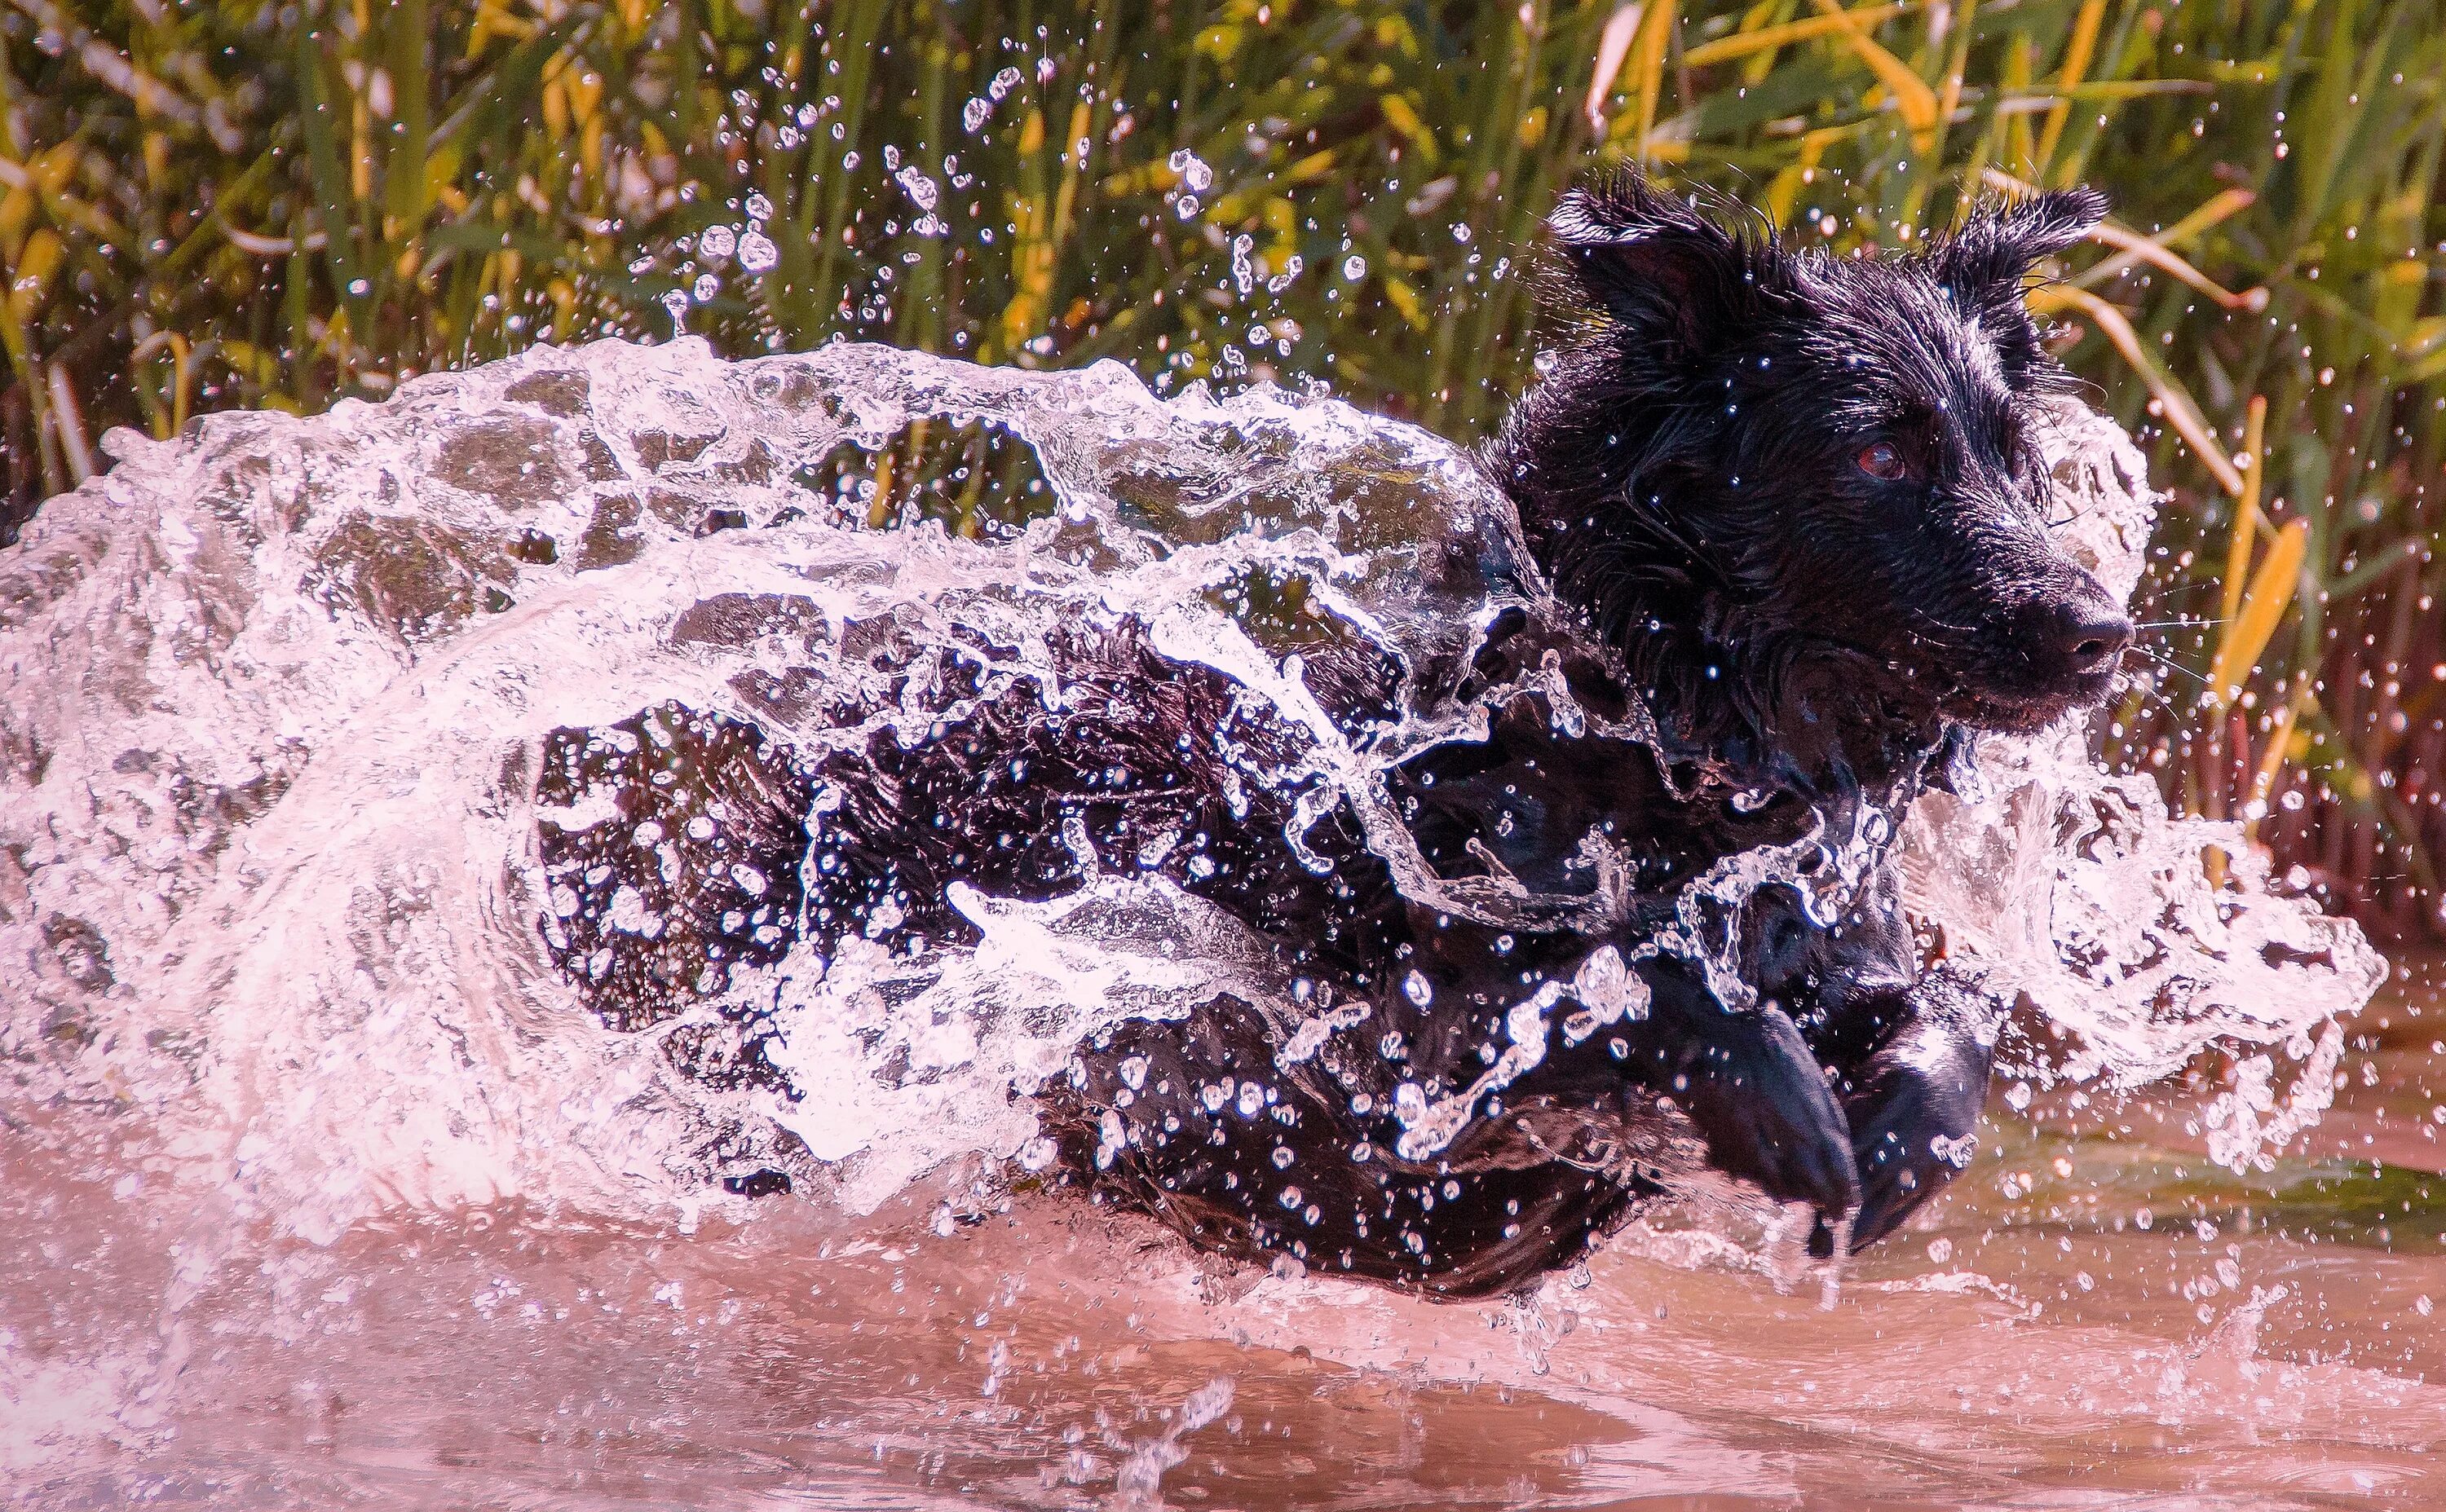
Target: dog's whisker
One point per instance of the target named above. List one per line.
(1926, 618)
(2168, 663)
(2153, 693)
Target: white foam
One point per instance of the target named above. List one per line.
(273, 861)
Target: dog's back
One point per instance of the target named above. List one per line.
(1644, 922)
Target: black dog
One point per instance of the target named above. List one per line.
(1794, 521)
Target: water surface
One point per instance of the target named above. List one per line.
(321, 1183)
(2026, 1342)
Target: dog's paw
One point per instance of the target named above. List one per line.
(1769, 1118)
(1914, 1113)
(1912, 1133)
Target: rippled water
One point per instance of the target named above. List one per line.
(324, 1182)
(2263, 1342)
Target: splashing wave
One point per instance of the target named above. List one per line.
(276, 700)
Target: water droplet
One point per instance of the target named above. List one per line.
(922, 191)
(1193, 171)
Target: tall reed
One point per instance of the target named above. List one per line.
(249, 203)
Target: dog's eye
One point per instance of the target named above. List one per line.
(1879, 460)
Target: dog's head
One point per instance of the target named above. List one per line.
(1796, 449)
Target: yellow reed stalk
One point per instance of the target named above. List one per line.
(2246, 514)
(1647, 64)
(2084, 40)
(2271, 590)
(173, 419)
(1614, 45)
(68, 425)
(361, 148)
(1031, 251)
(879, 510)
(1756, 65)
(1914, 99)
(2183, 415)
(554, 97)
(2271, 760)
(182, 382)
(1036, 248)
(1786, 188)
(1404, 119)
(1307, 170)
(1765, 39)
(1075, 146)
(1952, 96)
(2132, 247)
(2217, 207)
(29, 276)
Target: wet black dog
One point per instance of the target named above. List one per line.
(1794, 517)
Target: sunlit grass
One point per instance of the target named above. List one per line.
(250, 204)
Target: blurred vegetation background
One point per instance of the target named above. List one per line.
(231, 202)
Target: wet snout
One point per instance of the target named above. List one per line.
(2069, 640)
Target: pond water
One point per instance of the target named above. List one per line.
(2261, 1342)
(321, 1183)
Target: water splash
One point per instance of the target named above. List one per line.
(2077, 889)
(1138, 1484)
(274, 700)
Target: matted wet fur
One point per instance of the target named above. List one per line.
(1791, 507)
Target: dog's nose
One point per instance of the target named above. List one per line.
(2086, 634)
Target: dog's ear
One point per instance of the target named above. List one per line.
(1985, 262)
(1653, 265)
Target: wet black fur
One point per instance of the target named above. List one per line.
(1813, 644)
(1687, 472)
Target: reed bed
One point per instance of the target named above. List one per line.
(246, 203)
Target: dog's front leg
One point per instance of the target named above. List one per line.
(1751, 1085)
(1913, 1101)
(1910, 1047)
